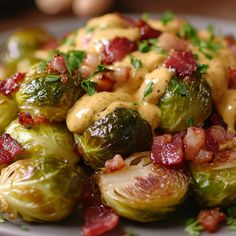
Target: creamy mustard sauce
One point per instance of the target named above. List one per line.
(130, 93)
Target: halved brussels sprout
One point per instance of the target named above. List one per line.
(47, 95)
(39, 189)
(143, 191)
(8, 111)
(18, 54)
(215, 183)
(184, 104)
(44, 140)
(123, 132)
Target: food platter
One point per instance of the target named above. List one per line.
(72, 226)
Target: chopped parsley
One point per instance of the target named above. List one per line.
(42, 66)
(179, 87)
(100, 68)
(52, 78)
(148, 89)
(193, 227)
(136, 63)
(135, 104)
(188, 31)
(73, 60)
(90, 29)
(190, 121)
(144, 46)
(150, 45)
(69, 40)
(145, 16)
(167, 17)
(89, 86)
(202, 68)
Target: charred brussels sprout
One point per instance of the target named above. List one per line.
(185, 103)
(143, 191)
(215, 183)
(8, 111)
(39, 189)
(20, 47)
(47, 95)
(44, 140)
(123, 132)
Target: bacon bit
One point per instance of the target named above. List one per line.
(105, 82)
(57, 65)
(210, 219)
(64, 78)
(146, 31)
(99, 219)
(11, 85)
(27, 120)
(167, 150)
(114, 164)
(210, 143)
(117, 49)
(230, 40)
(204, 156)
(193, 142)
(183, 62)
(170, 41)
(9, 149)
(232, 78)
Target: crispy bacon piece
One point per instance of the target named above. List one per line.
(105, 82)
(182, 62)
(232, 78)
(146, 31)
(9, 149)
(167, 150)
(216, 119)
(114, 164)
(210, 219)
(117, 49)
(57, 65)
(230, 40)
(27, 120)
(11, 85)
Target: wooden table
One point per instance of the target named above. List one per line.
(216, 8)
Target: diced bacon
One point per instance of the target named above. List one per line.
(170, 41)
(216, 119)
(105, 82)
(114, 164)
(146, 31)
(57, 64)
(167, 150)
(232, 78)
(117, 49)
(193, 142)
(220, 135)
(182, 62)
(204, 156)
(27, 120)
(210, 143)
(230, 40)
(99, 219)
(210, 219)
(9, 149)
(11, 85)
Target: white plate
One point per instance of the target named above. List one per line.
(173, 226)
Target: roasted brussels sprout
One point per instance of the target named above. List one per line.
(185, 103)
(215, 183)
(123, 132)
(20, 47)
(40, 189)
(8, 111)
(47, 95)
(44, 140)
(142, 190)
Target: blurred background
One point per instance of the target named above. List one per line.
(15, 13)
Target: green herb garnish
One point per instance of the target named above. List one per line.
(73, 60)
(42, 66)
(90, 29)
(190, 121)
(145, 16)
(136, 63)
(144, 46)
(89, 86)
(52, 78)
(202, 68)
(148, 89)
(179, 88)
(100, 68)
(193, 227)
(167, 17)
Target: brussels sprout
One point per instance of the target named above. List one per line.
(39, 189)
(20, 48)
(8, 111)
(215, 183)
(185, 103)
(122, 131)
(47, 95)
(44, 140)
(142, 190)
